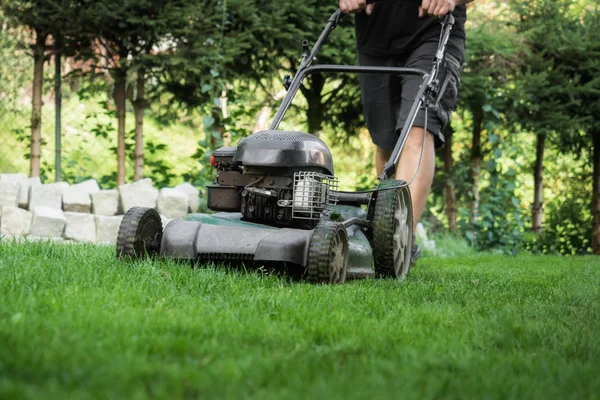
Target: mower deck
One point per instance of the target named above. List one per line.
(224, 237)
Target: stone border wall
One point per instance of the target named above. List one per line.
(82, 212)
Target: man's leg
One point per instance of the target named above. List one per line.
(408, 164)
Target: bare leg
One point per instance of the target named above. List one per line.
(407, 166)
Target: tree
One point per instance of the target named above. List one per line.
(581, 51)
(275, 31)
(44, 19)
(133, 34)
(491, 59)
(543, 90)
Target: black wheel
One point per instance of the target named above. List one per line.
(140, 233)
(392, 230)
(328, 253)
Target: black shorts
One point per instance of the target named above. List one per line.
(387, 99)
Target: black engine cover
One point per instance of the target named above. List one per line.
(284, 149)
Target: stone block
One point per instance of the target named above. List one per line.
(164, 220)
(91, 186)
(77, 198)
(34, 181)
(9, 193)
(172, 203)
(81, 227)
(45, 239)
(107, 228)
(20, 179)
(15, 222)
(105, 202)
(48, 222)
(138, 194)
(193, 195)
(46, 196)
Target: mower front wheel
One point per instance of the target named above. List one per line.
(392, 230)
(328, 254)
(140, 234)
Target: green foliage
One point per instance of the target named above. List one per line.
(500, 222)
(568, 221)
(567, 228)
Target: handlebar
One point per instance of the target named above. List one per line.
(407, 1)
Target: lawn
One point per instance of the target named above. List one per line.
(76, 323)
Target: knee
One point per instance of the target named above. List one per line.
(415, 139)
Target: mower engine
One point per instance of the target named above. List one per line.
(278, 178)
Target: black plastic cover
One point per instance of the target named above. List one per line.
(285, 149)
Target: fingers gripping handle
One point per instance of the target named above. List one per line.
(449, 20)
(339, 14)
(407, 1)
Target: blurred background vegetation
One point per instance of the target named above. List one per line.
(151, 88)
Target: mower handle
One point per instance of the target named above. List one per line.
(406, 1)
(305, 69)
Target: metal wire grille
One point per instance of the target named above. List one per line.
(313, 192)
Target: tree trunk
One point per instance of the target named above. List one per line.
(538, 176)
(450, 188)
(120, 97)
(58, 108)
(217, 135)
(316, 112)
(139, 104)
(36, 103)
(476, 163)
(596, 195)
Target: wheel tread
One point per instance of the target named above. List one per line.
(130, 230)
(318, 256)
(383, 230)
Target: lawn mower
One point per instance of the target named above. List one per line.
(277, 203)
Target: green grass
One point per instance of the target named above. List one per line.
(76, 323)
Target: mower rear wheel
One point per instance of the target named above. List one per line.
(140, 234)
(328, 253)
(392, 230)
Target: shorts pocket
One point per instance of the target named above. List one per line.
(449, 89)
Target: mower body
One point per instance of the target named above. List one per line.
(269, 193)
(226, 238)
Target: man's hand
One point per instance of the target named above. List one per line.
(436, 8)
(355, 6)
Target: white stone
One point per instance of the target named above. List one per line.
(172, 203)
(20, 179)
(48, 222)
(45, 239)
(107, 228)
(34, 181)
(15, 222)
(46, 195)
(77, 198)
(138, 194)
(9, 193)
(164, 220)
(105, 202)
(193, 194)
(61, 184)
(91, 186)
(80, 227)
